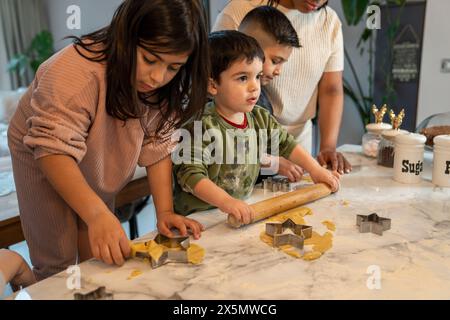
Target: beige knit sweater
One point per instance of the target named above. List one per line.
(63, 112)
(294, 93)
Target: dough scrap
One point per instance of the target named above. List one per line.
(195, 254)
(135, 273)
(329, 224)
(155, 250)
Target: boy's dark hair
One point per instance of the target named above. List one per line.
(275, 23)
(158, 26)
(229, 46)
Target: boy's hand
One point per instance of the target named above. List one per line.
(290, 170)
(239, 209)
(169, 220)
(331, 178)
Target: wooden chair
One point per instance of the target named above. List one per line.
(132, 195)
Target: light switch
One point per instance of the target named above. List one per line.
(445, 67)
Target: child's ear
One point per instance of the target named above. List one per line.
(212, 87)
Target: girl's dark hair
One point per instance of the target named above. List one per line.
(158, 26)
(229, 46)
(274, 3)
(274, 23)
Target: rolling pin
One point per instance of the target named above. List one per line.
(290, 200)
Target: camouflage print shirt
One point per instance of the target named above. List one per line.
(230, 157)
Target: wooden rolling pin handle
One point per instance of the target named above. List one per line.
(284, 202)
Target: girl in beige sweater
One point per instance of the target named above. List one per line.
(95, 110)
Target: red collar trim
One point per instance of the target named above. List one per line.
(243, 125)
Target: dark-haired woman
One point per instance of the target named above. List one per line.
(95, 110)
(312, 77)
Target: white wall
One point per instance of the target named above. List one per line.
(434, 89)
(94, 15)
(215, 6)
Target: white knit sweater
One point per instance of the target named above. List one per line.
(294, 93)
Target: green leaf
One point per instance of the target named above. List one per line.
(354, 10)
(17, 63)
(40, 49)
(366, 35)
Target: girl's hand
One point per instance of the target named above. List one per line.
(331, 178)
(239, 209)
(169, 220)
(107, 239)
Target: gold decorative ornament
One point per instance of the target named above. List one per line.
(396, 120)
(379, 114)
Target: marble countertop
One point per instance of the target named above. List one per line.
(411, 261)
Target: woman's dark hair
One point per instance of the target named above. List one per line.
(274, 23)
(158, 26)
(229, 46)
(274, 3)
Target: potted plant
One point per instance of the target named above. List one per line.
(354, 11)
(40, 49)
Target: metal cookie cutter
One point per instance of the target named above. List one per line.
(97, 294)
(169, 255)
(372, 223)
(276, 184)
(280, 238)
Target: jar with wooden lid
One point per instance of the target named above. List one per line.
(372, 138)
(386, 148)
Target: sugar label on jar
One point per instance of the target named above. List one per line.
(412, 167)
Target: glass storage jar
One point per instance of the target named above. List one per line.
(372, 138)
(386, 147)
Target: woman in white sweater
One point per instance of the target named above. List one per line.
(312, 77)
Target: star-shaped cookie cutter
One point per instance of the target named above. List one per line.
(97, 294)
(372, 223)
(170, 254)
(280, 238)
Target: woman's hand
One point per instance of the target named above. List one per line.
(331, 178)
(239, 209)
(107, 239)
(169, 220)
(334, 161)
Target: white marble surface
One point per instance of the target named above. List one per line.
(413, 257)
